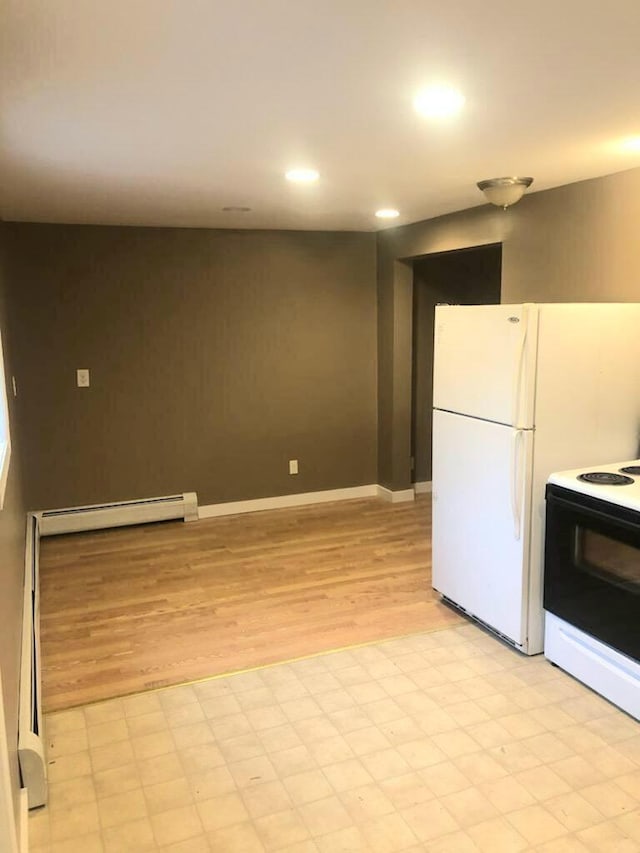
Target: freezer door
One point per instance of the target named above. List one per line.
(484, 361)
(481, 519)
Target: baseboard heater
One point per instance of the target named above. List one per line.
(31, 736)
(31, 749)
(120, 514)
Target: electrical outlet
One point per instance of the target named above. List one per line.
(293, 466)
(82, 377)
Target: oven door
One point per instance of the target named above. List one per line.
(592, 567)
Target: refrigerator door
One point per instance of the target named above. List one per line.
(481, 519)
(484, 362)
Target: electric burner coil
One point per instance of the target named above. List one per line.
(605, 478)
(634, 470)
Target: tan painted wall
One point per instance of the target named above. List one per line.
(12, 539)
(215, 357)
(578, 243)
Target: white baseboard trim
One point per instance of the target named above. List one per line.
(395, 497)
(422, 488)
(283, 501)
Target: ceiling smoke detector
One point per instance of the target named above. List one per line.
(503, 192)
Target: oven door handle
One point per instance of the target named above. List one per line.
(516, 483)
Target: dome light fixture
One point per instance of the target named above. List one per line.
(387, 213)
(503, 192)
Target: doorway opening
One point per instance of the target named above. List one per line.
(462, 277)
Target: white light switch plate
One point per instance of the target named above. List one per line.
(82, 377)
(293, 466)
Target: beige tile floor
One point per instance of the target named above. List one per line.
(447, 741)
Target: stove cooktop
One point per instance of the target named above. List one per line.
(618, 482)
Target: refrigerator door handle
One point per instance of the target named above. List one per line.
(516, 483)
(518, 371)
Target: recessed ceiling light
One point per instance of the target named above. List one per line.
(387, 213)
(438, 102)
(236, 208)
(302, 176)
(631, 143)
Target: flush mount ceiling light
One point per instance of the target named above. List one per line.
(438, 102)
(302, 176)
(631, 143)
(387, 213)
(503, 192)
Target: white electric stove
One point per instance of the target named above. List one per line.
(592, 578)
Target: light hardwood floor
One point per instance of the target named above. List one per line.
(137, 608)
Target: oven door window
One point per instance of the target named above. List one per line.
(608, 559)
(592, 568)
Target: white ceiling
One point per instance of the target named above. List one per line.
(161, 112)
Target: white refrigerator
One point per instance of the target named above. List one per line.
(521, 391)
